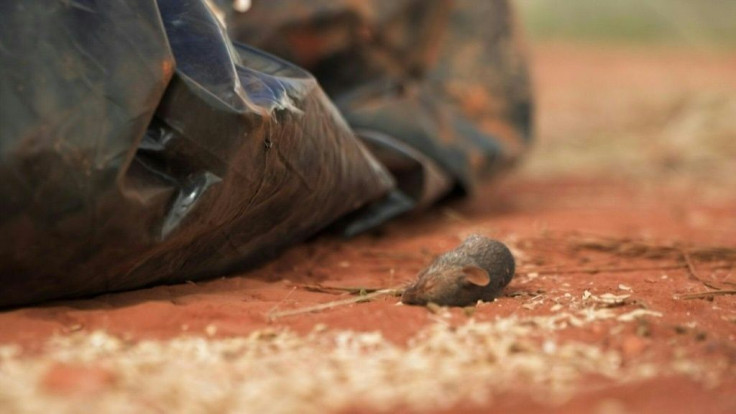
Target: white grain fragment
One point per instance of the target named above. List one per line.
(611, 299)
(636, 314)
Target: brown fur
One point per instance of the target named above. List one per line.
(476, 270)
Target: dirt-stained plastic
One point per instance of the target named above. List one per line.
(243, 155)
(447, 78)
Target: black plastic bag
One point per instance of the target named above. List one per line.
(447, 78)
(244, 155)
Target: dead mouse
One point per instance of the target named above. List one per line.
(476, 270)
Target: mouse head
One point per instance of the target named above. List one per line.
(451, 286)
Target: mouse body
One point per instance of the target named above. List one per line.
(477, 269)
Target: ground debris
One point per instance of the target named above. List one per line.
(362, 296)
(629, 247)
(707, 294)
(278, 371)
(609, 300)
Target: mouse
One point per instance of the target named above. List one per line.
(478, 269)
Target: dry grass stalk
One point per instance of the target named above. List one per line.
(708, 294)
(627, 247)
(333, 304)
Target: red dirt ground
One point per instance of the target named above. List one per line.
(561, 227)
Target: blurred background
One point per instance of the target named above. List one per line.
(634, 90)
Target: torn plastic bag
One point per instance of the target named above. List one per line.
(243, 156)
(445, 78)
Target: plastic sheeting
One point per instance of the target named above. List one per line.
(140, 145)
(243, 155)
(445, 77)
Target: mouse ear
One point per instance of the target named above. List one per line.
(476, 275)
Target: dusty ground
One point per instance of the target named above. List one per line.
(621, 219)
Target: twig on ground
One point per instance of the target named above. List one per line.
(563, 270)
(701, 295)
(340, 289)
(693, 273)
(650, 250)
(728, 281)
(329, 305)
(276, 306)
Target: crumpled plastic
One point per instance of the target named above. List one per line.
(141, 145)
(447, 78)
